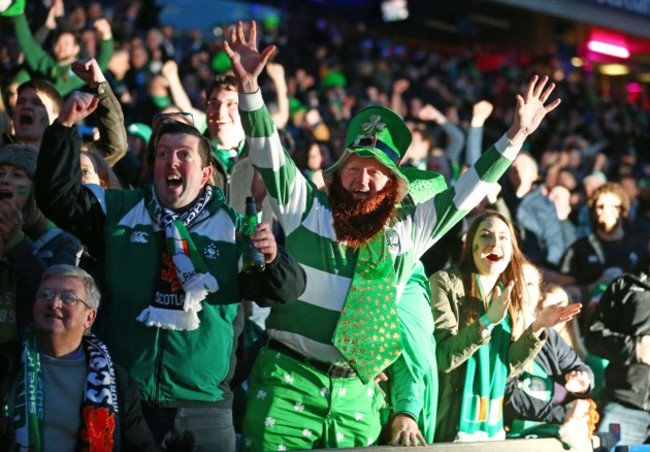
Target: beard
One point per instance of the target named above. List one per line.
(356, 220)
(606, 227)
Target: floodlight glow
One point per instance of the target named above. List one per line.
(608, 49)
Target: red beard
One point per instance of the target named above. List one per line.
(356, 221)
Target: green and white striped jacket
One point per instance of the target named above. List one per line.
(304, 213)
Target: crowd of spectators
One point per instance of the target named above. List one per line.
(578, 195)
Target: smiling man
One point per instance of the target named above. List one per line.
(171, 255)
(313, 386)
(81, 400)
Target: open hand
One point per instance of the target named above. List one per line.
(499, 303)
(530, 108)
(554, 315)
(247, 61)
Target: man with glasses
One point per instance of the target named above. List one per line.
(171, 256)
(60, 386)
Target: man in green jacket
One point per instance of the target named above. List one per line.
(171, 256)
(66, 49)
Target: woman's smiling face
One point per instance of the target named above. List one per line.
(492, 246)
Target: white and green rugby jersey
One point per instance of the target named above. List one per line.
(304, 213)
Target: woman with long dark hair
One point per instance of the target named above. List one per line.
(479, 329)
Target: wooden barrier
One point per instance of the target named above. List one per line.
(511, 445)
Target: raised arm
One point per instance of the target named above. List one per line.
(112, 133)
(444, 210)
(59, 192)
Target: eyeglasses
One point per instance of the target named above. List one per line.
(184, 116)
(67, 298)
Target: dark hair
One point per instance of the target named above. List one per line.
(513, 272)
(221, 82)
(45, 87)
(181, 128)
(106, 175)
(67, 30)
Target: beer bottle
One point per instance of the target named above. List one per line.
(254, 260)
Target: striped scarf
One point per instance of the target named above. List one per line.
(99, 410)
(184, 280)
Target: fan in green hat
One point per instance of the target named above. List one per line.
(380, 133)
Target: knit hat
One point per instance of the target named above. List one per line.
(376, 132)
(140, 130)
(21, 156)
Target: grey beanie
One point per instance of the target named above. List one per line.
(21, 156)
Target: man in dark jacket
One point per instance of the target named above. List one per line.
(171, 257)
(620, 332)
(60, 386)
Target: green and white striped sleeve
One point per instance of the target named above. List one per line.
(289, 191)
(438, 215)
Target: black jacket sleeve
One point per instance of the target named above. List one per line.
(282, 281)
(135, 434)
(59, 192)
(517, 404)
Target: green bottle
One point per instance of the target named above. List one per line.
(254, 260)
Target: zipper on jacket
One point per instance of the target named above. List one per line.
(162, 341)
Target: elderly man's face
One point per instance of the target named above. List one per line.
(363, 176)
(66, 320)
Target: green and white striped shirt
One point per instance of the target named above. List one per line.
(304, 213)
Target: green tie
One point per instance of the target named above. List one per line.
(368, 333)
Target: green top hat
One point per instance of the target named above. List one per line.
(380, 133)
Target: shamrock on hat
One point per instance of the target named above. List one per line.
(380, 133)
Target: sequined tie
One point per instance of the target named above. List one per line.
(367, 333)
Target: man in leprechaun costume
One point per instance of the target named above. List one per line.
(314, 384)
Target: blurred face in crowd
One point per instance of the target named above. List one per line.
(179, 175)
(561, 197)
(523, 170)
(492, 246)
(314, 157)
(12, 94)
(33, 113)
(532, 281)
(67, 321)
(224, 123)
(88, 172)
(363, 176)
(15, 185)
(607, 211)
(66, 48)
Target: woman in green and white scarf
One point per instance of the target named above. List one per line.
(479, 330)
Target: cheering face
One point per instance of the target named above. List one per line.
(60, 309)
(363, 176)
(607, 211)
(33, 113)
(222, 110)
(492, 247)
(15, 185)
(178, 174)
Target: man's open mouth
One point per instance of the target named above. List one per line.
(25, 119)
(174, 181)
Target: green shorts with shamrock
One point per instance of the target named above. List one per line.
(292, 405)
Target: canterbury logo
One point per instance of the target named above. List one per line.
(139, 237)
